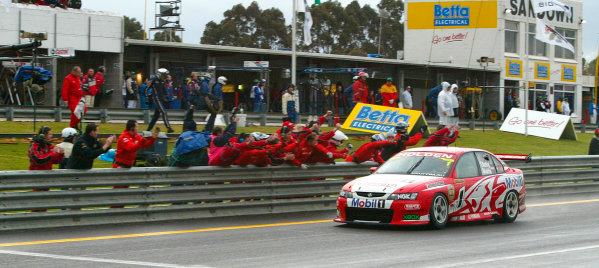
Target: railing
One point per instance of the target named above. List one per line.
(85, 197)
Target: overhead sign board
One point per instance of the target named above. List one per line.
(62, 52)
(540, 124)
(452, 14)
(255, 64)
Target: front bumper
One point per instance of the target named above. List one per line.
(401, 212)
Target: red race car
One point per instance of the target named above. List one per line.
(435, 185)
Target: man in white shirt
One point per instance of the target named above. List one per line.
(407, 98)
(444, 104)
(566, 107)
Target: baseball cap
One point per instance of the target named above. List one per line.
(389, 79)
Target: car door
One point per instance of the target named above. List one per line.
(466, 174)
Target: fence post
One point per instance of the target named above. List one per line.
(496, 125)
(57, 114)
(471, 124)
(103, 115)
(583, 128)
(146, 116)
(10, 113)
(262, 119)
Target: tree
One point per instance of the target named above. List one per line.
(248, 27)
(133, 29)
(167, 35)
(393, 30)
(589, 67)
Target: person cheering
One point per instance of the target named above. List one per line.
(130, 143)
(42, 153)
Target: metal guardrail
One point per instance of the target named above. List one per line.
(105, 115)
(84, 197)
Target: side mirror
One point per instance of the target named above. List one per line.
(373, 169)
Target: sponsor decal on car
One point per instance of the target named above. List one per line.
(412, 206)
(435, 184)
(451, 192)
(411, 217)
(459, 181)
(427, 154)
(367, 203)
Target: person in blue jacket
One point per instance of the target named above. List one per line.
(258, 97)
(191, 148)
(349, 94)
(433, 95)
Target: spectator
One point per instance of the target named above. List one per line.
(377, 97)
(72, 96)
(303, 150)
(217, 92)
(100, 91)
(191, 148)
(340, 101)
(541, 104)
(360, 89)
(158, 95)
(433, 96)
(87, 148)
(176, 104)
(132, 91)
(42, 153)
(124, 88)
(290, 102)
(89, 86)
(593, 111)
(547, 104)
(130, 143)
(143, 94)
(389, 92)
(443, 137)
(168, 86)
(349, 94)
(204, 90)
(444, 105)
(328, 93)
(594, 145)
(69, 135)
(258, 96)
(407, 98)
(455, 105)
(566, 107)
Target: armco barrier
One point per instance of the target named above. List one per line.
(156, 194)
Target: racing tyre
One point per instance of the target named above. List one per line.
(511, 205)
(439, 212)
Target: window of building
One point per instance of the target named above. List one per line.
(561, 92)
(535, 47)
(561, 52)
(511, 36)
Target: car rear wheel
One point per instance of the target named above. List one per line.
(511, 206)
(439, 212)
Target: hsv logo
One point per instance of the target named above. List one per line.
(452, 16)
(367, 203)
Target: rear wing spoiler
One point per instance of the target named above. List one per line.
(519, 157)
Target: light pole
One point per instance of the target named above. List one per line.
(382, 13)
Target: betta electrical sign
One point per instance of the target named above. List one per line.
(454, 15)
(376, 118)
(569, 73)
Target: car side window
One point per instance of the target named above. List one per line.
(467, 166)
(485, 161)
(498, 165)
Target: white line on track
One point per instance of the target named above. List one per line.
(517, 256)
(89, 259)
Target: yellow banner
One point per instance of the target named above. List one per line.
(514, 68)
(569, 73)
(375, 118)
(542, 70)
(452, 15)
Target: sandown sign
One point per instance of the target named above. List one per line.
(375, 118)
(452, 14)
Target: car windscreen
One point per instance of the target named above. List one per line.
(419, 163)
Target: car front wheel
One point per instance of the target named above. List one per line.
(511, 206)
(439, 212)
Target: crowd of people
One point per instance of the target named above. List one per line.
(79, 91)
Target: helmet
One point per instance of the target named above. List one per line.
(207, 76)
(69, 132)
(363, 74)
(339, 136)
(378, 137)
(162, 73)
(259, 136)
(222, 80)
(355, 78)
(402, 127)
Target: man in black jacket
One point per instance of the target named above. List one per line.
(594, 146)
(87, 148)
(159, 96)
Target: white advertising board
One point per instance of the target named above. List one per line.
(255, 64)
(540, 124)
(62, 52)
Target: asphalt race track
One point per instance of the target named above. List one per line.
(559, 231)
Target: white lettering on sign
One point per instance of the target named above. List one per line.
(427, 154)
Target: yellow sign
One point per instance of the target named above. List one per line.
(375, 118)
(229, 88)
(513, 68)
(569, 73)
(452, 15)
(542, 70)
